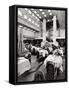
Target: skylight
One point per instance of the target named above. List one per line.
(25, 16)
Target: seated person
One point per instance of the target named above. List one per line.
(55, 60)
(38, 76)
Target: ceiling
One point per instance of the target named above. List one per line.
(48, 14)
(39, 14)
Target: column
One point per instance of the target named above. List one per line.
(44, 28)
(54, 28)
(21, 46)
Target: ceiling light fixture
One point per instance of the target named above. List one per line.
(44, 15)
(40, 9)
(50, 14)
(32, 9)
(25, 16)
(32, 14)
(29, 11)
(20, 26)
(19, 13)
(38, 15)
(33, 22)
(42, 12)
(49, 10)
(35, 12)
(26, 9)
(30, 19)
(37, 19)
(48, 20)
(38, 25)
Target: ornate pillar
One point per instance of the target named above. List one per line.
(21, 46)
(44, 28)
(54, 28)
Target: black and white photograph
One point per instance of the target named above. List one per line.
(41, 44)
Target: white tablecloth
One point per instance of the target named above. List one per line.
(23, 65)
(43, 52)
(40, 50)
